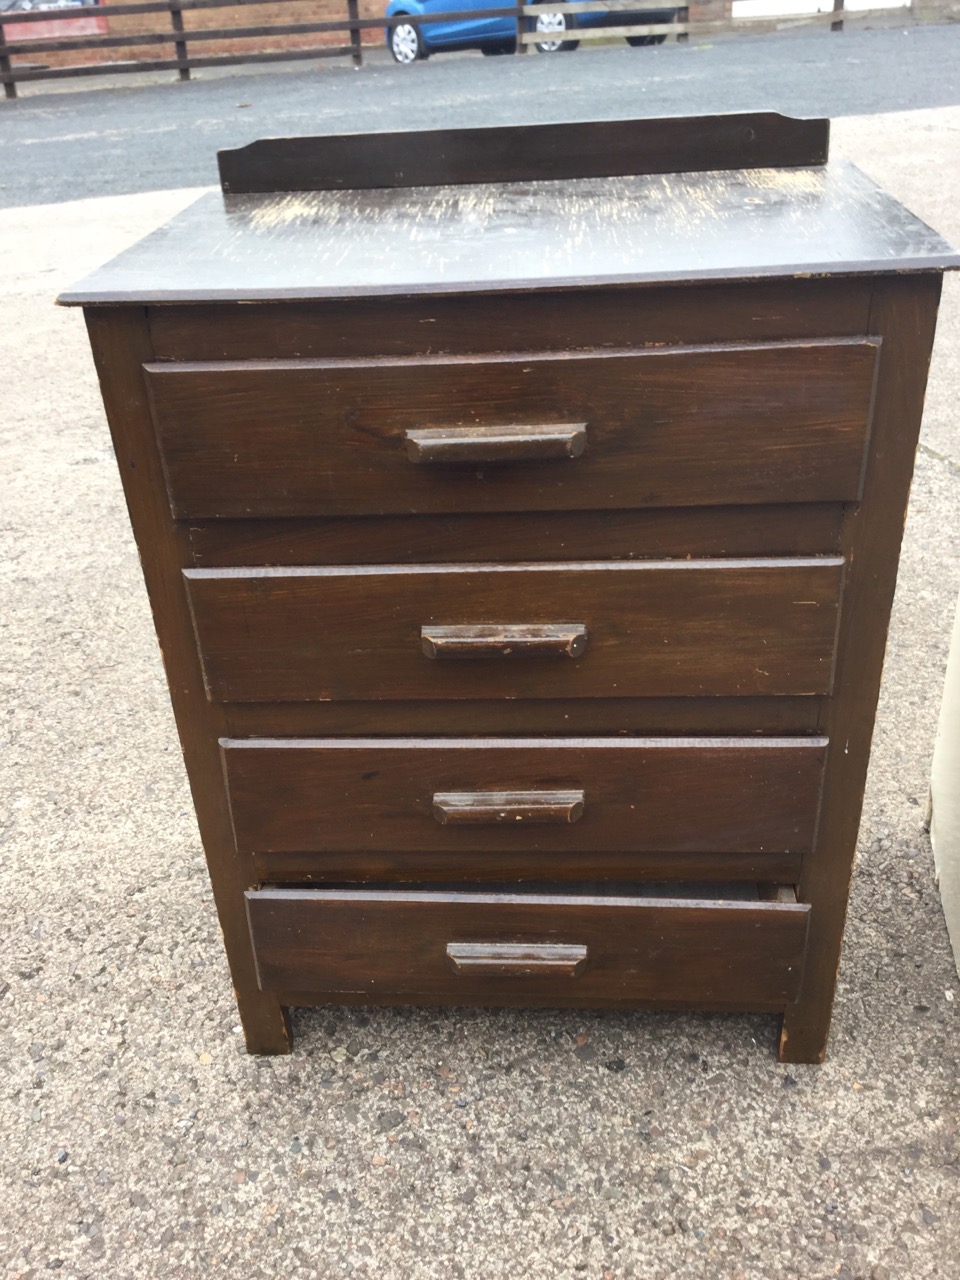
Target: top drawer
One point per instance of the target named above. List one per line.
(781, 422)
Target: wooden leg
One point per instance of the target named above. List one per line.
(806, 1027)
(806, 1024)
(804, 1039)
(266, 1023)
(121, 345)
(903, 312)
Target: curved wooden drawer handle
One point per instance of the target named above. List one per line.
(483, 808)
(515, 443)
(501, 640)
(510, 959)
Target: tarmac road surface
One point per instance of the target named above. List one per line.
(122, 137)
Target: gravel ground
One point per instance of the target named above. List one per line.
(140, 1141)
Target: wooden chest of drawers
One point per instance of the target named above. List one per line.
(520, 511)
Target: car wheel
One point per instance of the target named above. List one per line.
(495, 50)
(553, 27)
(406, 43)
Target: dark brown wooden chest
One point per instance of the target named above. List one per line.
(520, 512)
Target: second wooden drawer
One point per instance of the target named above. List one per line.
(651, 628)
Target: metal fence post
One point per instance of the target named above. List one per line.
(356, 39)
(9, 88)
(176, 21)
(521, 47)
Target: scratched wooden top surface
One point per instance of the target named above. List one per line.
(723, 225)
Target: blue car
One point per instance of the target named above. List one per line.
(409, 42)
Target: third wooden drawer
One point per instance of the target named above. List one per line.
(507, 797)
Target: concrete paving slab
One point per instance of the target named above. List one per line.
(140, 1141)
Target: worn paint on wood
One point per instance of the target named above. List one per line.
(721, 225)
(519, 152)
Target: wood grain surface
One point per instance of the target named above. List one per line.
(661, 628)
(713, 426)
(797, 529)
(505, 153)
(553, 320)
(395, 945)
(121, 345)
(657, 716)
(905, 313)
(527, 870)
(687, 795)
(722, 225)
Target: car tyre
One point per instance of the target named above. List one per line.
(406, 43)
(553, 26)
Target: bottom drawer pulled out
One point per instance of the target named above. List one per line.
(319, 946)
